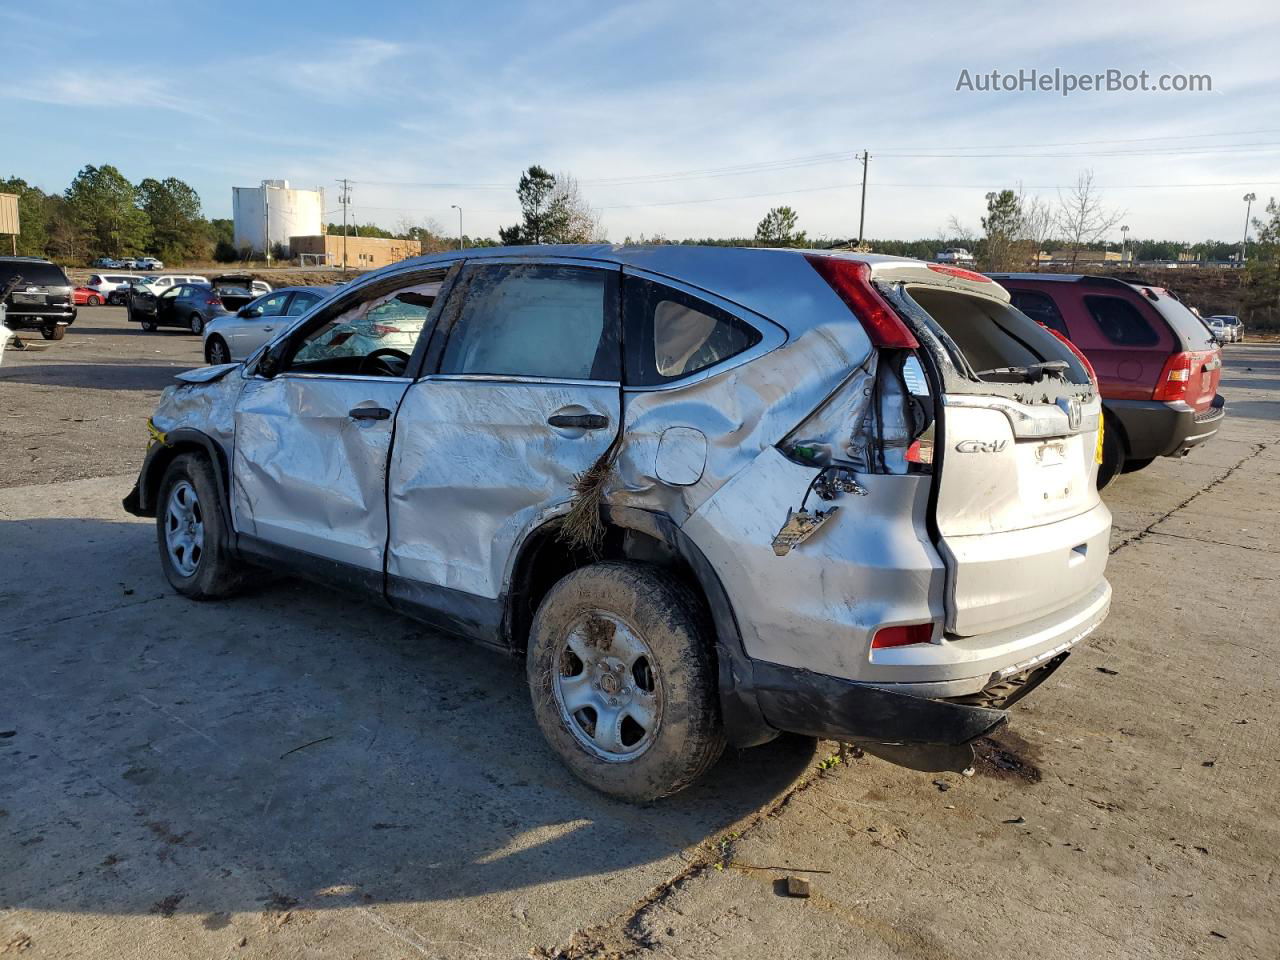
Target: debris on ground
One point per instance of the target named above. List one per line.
(798, 887)
(1018, 819)
(1108, 671)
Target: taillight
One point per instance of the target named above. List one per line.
(851, 280)
(959, 273)
(214, 301)
(1174, 378)
(902, 636)
(1088, 367)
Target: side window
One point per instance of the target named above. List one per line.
(171, 293)
(373, 337)
(273, 305)
(300, 304)
(534, 320)
(1120, 322)
(1040, 308)
(671, 334)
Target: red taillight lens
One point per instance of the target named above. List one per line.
(1174, 378)
(1088, 367)
(959, 273)
(214, 301)
(851, 280)
(901, 636)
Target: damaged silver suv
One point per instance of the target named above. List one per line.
(707, 494)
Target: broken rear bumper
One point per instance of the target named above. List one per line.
(814, 704)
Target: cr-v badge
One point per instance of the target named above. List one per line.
(980, 446)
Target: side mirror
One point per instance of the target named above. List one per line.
(249, 313)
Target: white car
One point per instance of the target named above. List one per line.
(1232, 330)
(158, 284)
(955, 255)
(149, 263)
(113, 287)
(238, 335)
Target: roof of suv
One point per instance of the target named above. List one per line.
(777, 283)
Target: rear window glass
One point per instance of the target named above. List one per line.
(35, 273)
(992, 335)
(671, 334)
(1186, 324)
(1121, 323)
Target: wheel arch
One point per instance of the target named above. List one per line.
(177, 442)
(638, 535)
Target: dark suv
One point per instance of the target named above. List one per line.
(41, 299)
(1157, 364)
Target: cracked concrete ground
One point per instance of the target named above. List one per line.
(292, 774)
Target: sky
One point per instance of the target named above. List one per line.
(680, 119)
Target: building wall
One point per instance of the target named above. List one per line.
(271, 214)
(363, 253)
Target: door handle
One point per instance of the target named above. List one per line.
(369, 413)
(266, 329)
(579, 421)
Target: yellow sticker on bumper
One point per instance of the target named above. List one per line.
(1097, 453)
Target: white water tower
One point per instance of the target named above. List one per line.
(268, 215)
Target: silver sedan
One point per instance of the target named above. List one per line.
(237, 335)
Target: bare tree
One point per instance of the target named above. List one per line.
(959, 234)
(570, 218)
(1081, 216)
(1037, 225)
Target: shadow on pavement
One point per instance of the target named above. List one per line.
(93, 376)
(158, 754)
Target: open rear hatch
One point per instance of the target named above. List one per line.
(1016, 515)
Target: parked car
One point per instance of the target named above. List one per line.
(1156, 362)
(160, 283)
(237, 289)
(189, 305)
(112, 287)
(149, 263)
(106, 262)
(127, 263)
(1231, 325)
(87, 296)
(43, 298)
(239, 335)
(598, 458)
(958, 256)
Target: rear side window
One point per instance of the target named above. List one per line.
(300, 303)
(1189, 328)
(534, 320)
(671, 334)
(1120, 322)
(1040, 308)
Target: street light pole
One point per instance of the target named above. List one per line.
(1248, 208)
(1124, 244)
(454, 206)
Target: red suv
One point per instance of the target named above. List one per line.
(1158, 365)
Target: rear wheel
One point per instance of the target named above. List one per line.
(1112, 454)
(94, 300)
(192, 531)
(196, 322)
(1133, 466)
(53, 331)
(216, 351)
(623, 680)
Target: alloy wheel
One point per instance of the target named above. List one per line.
(184, 528)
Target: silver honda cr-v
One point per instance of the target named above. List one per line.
(708, 494)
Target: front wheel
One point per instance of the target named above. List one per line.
(94, 301)
(53, 331)
(623, 680)
(216, 351)
(196, 322)
(192, 531)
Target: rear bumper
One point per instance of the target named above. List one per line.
(24, 318)
(1154, 429)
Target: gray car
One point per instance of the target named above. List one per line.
(706, 494)
(237, 335)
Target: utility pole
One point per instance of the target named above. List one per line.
(1124, 244)
(345, 199)
(1248, 208)
(862, 214)
(459, 209)
(266, 221)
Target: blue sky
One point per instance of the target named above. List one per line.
(424, 105)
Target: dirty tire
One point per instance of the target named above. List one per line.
(55, 332)
(216, 351)
(218, 573)
(1112, 455)
(671, 620)
(1133, 466)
